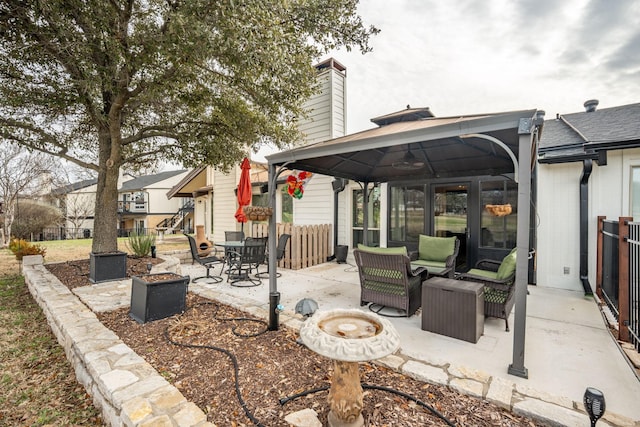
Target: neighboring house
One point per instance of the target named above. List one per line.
(76, 201)
(589, 166)
(143, 203)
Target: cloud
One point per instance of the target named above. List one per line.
(472, 56)
(627, 57)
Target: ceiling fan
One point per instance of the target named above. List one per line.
(408, 162)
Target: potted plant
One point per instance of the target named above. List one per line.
(158, 295)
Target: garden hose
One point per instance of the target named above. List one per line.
(284, 400)
(230, 355)
(375, 387)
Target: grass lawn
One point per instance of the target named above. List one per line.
(39, 386)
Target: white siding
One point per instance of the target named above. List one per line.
(338, 105)
(559, 215)
(316, 205)
(81, 203)
(225, 204)
(559, 226)
(327, 109)
(160, 204)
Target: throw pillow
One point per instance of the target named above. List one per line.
(507, 267)
(432, 248)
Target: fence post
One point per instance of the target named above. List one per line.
(623, 277)
(599, 256)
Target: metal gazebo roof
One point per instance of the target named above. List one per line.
(447, 147)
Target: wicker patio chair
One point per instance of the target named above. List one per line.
(388, 281)
(439, 252)
(498, 278)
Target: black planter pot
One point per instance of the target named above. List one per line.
(341, 253)
(156, 296)
(107, 266)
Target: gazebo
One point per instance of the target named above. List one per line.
(428, 148)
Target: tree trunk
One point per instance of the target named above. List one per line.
(105, 229)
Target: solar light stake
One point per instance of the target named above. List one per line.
(594, 404)
(149, 266)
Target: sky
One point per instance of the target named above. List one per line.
(483, 56)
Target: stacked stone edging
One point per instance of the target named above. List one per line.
(125, 388)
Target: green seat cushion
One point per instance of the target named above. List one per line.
(402, 250)
(425, 263)
(483, 273)
(432, 248)
(507, 267)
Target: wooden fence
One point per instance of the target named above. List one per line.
(309, 244)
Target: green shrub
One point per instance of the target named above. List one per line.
(140, 244)
(22, 248)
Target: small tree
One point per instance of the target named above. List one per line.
(33, 218)
(131, 82)
(21, 174)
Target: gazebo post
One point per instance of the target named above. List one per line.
(274, 295)
(525, 140)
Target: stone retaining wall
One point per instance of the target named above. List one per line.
(125, 388)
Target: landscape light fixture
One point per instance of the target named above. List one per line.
(306, 307)
(594, 404)
(408, 162)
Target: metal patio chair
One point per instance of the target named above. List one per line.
(282, 245)
(245, 260)
(208, 262)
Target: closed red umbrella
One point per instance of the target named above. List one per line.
(244, 191)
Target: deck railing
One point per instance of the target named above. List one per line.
(618, 274)
(309, 244)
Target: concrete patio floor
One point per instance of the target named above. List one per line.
(568, 346)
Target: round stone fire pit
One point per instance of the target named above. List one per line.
(348, 337)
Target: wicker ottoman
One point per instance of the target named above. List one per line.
(454, 308)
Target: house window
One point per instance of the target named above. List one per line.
(498, 231)
(407, 213)
(373, 216)
(287, 206)
(635, 193)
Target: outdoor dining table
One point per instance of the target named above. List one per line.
(230, 247)
(230, 244)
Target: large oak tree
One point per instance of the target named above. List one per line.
(112, 83)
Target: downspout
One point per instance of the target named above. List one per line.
(587, 166)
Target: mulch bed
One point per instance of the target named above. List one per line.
(76, 273)
(237, 372)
